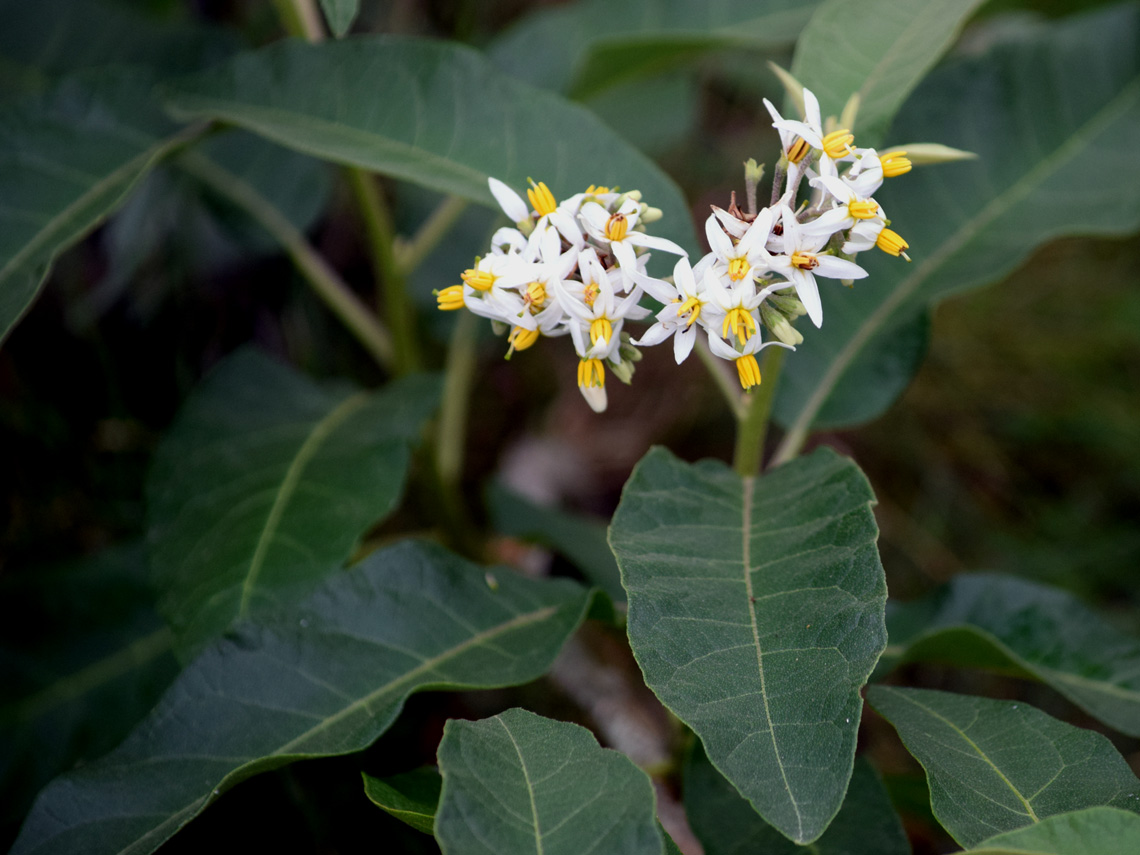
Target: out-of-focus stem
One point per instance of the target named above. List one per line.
(752, 429)
(323, 279)
(433, 230)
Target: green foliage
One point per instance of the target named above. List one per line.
(1096, 831)
(340, 14)
(521, 783)
(411, 797)
(266, 484)
(996, 766)
(326, 677)
(970, 223)
(756, 613)
(1005, 623)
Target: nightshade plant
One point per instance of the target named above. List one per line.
(313, 558)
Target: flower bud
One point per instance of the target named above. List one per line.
(779, 326)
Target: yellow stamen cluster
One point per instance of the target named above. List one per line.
(542, 199)
(895, 163)
(617, 227)
(738, 268)
(863, 209)
(892, 243)
(590, 374)
(449, 299)
(692, 306)
(535, 296)
(596, 190)
(748, 370)
(740, 322)
(798, 150)
(480, 280)
(601, 328)
(521, 338)
(838, 143)
(804, 261)
(590, 294)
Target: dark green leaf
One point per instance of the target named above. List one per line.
(580, 538)
(1096, 831)
(411, 797)
(67, 160)
(446, 120)
(877, 49)
(756, 613)
(566, 49)
(1036, 126)
(265, 484)
(520, 783)
(726, 824)
(994, 766)
(340, 14)
(327, 678)
(83, 656)
(988, 621)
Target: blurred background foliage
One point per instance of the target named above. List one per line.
(1015, 449)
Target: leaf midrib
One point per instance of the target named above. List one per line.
(970, 229)
(529, 786)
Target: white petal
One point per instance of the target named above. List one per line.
(651, 242)
(808, 292)
(838, 268)
(595, 396)
(683, 343)
(510, 201)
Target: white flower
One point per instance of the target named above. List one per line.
(831, 147)
(748, 256)
(615, 232)
(744, 356)
(802, 262)
(597, 318)
(680, 321)
(851, 208)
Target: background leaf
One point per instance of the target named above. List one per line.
(68, 158)
(879, 49)
(1036, 127)
(1040, 631)
(994, 766)
(326, 678)
(265, 484)
(340, 14)
(1096, 831)
(727, 825)
(564, 48)
(756, 613)
(83, 656)
(447, 120)
(519, 783)
(411, 797)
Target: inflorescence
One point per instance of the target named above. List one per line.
(578, 267)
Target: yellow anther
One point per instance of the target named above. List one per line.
(520, 339)
(838, 143)
(804, 261)
(449, 299)
(617, 227)
(590, 373)
(739, 322)
(693, 307)
(601, 328)
(480, 280)
(748, 371)
(738, 268)
(535, 296)
(895, 163)
(863, 209)
(596, 190)
(590, 294)
(541, 198)
(799, 150)
(891, 243)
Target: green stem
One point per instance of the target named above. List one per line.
(728, 387)
(325, 281)
(381, 242)
(460, 372)
(301, 18)
(752, 429)
(433, 230)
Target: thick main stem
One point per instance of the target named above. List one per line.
(752, 427)
(323, 279)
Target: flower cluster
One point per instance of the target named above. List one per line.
(578, 267)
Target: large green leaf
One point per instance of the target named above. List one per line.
(444, 118)
(265, 484)
(340, 14)
(1038, 128)
(411, 797)
(994, 766)
(68, 158)
(1096, 831)
(587, 46)
(521, 783)
(998, 621)
(327, 677)
(726, 824)
(83, 657)
(756, 613)
(877, 49)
